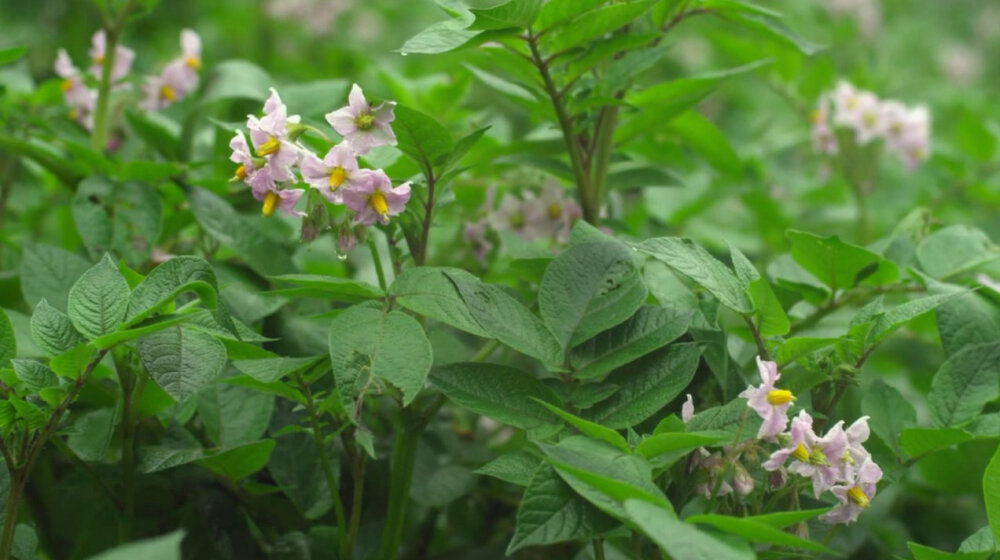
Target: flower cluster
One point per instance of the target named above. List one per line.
(269, 161)
(836, 461)
(178, 78)
(868, 14)
(905, 130)
(549, 215)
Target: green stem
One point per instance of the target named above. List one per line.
(377, 261)
(99, 135)
(131, 383)
(358, 477)
(404, 457)
(10, 522)
(328, 473)
(598, 549)
(583, 186)
(603, 148)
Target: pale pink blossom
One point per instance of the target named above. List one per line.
(363, 126)
(374, 199)
(80, 99)
(856, 494)
(820, 459)
(123, 57)
(769, 403)
(179, 77)
(687, 409)
(264, 189)
(337, 171)
(551, 215)
(269, 137)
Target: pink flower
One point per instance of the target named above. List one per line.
(272, 198)
(509, 216)
(178, 79)
(78, 96)
(241, 155)
(374, 199)
(268, 136)
(769, 403)
(687, 409)
(856, 495)
(123, 58)
(551, 215)
(363, 126)
(337, 171)
(474, 233)
(820, 459)
(824, 140)
(857, 434)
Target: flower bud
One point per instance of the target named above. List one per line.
(742, 481)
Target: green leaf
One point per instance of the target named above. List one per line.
(964, 384)
(921, 552)
(515, 13)
(918, 441)
(782, 519)
(954, 250)
(889, 412)
(182, 360)
(702, 136)
(92, 433)
(233, 415)
(167, 547)
(296, 468)
(236, 79)
(980, 541)
(11, 54)
(266, 256)
(680, 539)
(327, 287)
(312, 99)
(443, 485)
(239, 462)
(589, 428)
(51, 330)
(771, 317)
(588, 288)
(691, 260)
(98, 300)
(8, 344)
(169, 280)
(269, 370)
(991, 493)
(421, 137)
(672, 442)
(511, 89)
(122, 218)
(48, 273)
(431, 292)
(72, 363)
(733, 417)
(34, 375)
(443, 36)
(756, 531)
(507, 320)
(646, 386)
(367, 342)
(561, 11)
(500, 392)
(551, 512)
(968, 318)
(155, 132)
(595, 23)
(516, 467)
(776, 29)
(837, 264)
(649, 329)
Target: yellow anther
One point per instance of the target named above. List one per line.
(168, 93)
(99, 59)
(270, 203)
(193, 62)
(73, 114)
(337, 177)
(378, 203)
(816, 116)
(555, 210)
(801, 453)
(858, 497)
(271, 146)
(240, 173)
(777, 397)
(66, 84)
(364, 122)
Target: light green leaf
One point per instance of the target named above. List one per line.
(91, 434)
(10, 55)
(431, 292)
(366, 342)
(836, 263)
(964, 384)
(954, 250)
(588, 288)
(182, 360)
(98, 300)
(918, 441)
(122, 218)
(236, 79)
(921, 552)
(680, 539)
(968, 318)
(155, 132)
(443, 485)
(515, 13)
(421, 137)
(782, 519)
(516, 467)
(707, 141)
(72, 363)
(595, 23)
(646, 386)
(691, 260)
(561, 11)
(991, 494)
(794, 348)
(48, 273)
(756, 531)
(239, 462)
(169, 280)
(500, 392)
(327, 287)
(551, 512)
(671, 442)
(889, 412)
(589, 428)
(649, 329)
(167, 547)
(51, 330)
(269, 370)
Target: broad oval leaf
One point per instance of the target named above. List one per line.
(182, 360)
(52, 330)
(98, 300)
(693, 261)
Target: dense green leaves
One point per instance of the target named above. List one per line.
(691, 260)
(297, 469)
(123, 218)
(588, 288)
(98, 300)
(431, 292)
(182, 360)
(648, 329)
(48, 273)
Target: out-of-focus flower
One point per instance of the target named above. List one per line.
(337, 171)
(374, 199)
(742, 481)
(78, 96)
(687, 409)
(769, 403)
(858, 110)
(868, 14)
(551, 215)
(123, 57)
(363, 126)
(268, 135)
(474, 233)
(317, 15)
(823, 138)
(509, 216)
(818, 458)
(856, 495)
(178, 78)
(960, 64)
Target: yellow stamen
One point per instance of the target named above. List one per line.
(777, 397)
(801, 453)
(364, 122)
(168, 93)
(240, 173)
(337, 177)
(73, 113)
(66, 84)
(858, 497)
(817, 457)
(815, 116)
(270, 203)
(870, 118)
(851, 102)
(193, 62)
(99, 59)
(377, 201)
(555, 210)
(271, 146)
